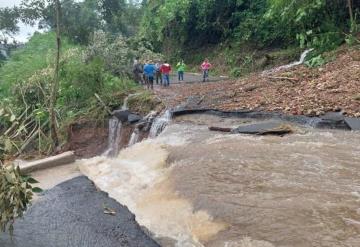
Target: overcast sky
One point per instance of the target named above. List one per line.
(25, 30)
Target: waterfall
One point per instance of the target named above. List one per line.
(159, 124)
(288, 66)
(134, 137)
(114, 137)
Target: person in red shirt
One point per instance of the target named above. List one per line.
(205, 67)
(165, 71)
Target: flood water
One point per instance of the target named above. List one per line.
(193, 187)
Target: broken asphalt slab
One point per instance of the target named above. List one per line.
(264, 128)
(353, 123)
(329, 121)
(72, 214)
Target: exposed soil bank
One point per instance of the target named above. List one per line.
(72, 214)
(87, 139)
(90, 139)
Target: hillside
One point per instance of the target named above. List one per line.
(299, 90)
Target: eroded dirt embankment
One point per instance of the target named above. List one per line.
(298, 91)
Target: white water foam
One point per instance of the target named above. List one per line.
(138, 178)
(159, 124)
(288, 66)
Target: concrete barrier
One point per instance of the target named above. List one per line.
(53, 161)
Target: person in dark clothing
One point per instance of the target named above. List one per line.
(158, 74)
(138, 71)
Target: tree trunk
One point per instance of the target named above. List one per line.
(55, 85)
(349, 2)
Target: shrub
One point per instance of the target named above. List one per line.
(16, 193)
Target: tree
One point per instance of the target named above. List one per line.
(78, 19)
(121, 17)
(31, 11)
(9, 18)
(55, 85)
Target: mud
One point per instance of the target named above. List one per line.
(72, 214)
(90, 139)
(87, 139)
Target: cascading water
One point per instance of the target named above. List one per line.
(114, 137)
(159, 124)
(288, 66)
(134, 137)
(115, 127)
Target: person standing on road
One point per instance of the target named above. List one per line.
(181, 69)
(165, 70)
(158, 73)
(205, 67)
(149, 71)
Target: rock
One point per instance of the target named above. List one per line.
(353, 123)
(250, 88)
(133, 118)
(265, 128)
(337, 109)
(122, 115)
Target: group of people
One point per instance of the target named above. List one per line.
(160, 72)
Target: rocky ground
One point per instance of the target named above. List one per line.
(297, 91)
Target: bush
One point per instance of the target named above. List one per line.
(16, 193)
(117, 53)
(235, 72)
(315, 61)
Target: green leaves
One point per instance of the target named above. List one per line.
(16, 193)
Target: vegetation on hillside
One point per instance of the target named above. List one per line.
(101, 68)
(237, 30)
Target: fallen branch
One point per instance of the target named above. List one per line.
(29, 139)
(283, 78)
(201, 100)
(103, 104)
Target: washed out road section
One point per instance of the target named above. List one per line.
(72, 214)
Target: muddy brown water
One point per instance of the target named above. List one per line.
(202, 188)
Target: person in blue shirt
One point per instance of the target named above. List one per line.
(149, 72)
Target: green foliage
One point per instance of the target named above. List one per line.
(315, 61)
(103, 68)
(79, 19)
(117, 53)
(36, 55)
(235, 72)
(16, 193)
(174, 26)
(8, 22)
